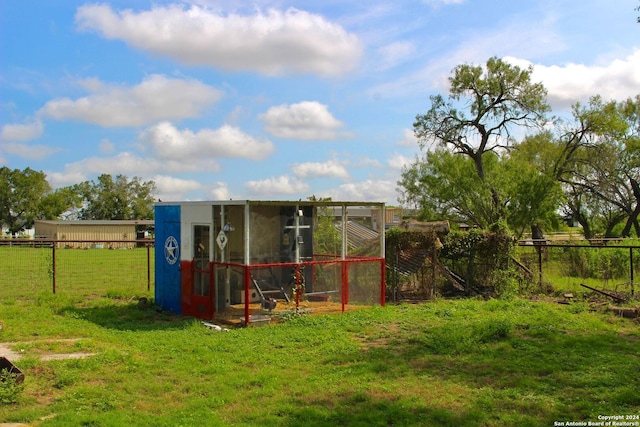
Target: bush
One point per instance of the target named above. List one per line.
(10, 389)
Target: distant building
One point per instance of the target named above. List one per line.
(93, 233)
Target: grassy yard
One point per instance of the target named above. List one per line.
(445, 363)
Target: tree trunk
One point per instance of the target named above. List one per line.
(536, 232)
(633, 218)
(584, 222)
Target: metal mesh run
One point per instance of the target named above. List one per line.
(270, 292)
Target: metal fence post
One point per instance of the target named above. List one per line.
(631, 269)
(148, 267)
(53, 265)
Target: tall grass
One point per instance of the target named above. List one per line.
(565, 268)
(445, 363)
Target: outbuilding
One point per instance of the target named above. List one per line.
(218, 259)
(93, 233)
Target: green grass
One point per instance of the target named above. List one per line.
(80, 273)
(445, 363)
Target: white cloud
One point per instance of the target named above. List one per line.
(568, 83)
(172, 188)
(68, 177)
(30, 152)
(172, 151)
(22, 132)
(478, 45)
(272, 43)
(366, 191)
(307, 120)
(408, 139)
(398, 161)
(366, 162)
(329, 169)
(276, 185)
(155, 98)
(168, 142)
(219, 191)
(123, 163)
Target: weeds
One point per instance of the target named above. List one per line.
(10, 387)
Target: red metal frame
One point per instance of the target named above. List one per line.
(344, 288)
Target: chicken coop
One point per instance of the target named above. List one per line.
(246, 260)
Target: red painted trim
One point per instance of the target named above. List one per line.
(247, 285)
(345, 284)
(212, 289)
(186, 287)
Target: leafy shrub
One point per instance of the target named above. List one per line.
(10, 389)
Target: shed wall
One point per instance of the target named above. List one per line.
(90, 233)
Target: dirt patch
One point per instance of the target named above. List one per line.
(8, 350)
(231, 315)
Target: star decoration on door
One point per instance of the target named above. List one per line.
(171, 250)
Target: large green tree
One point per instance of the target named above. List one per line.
(61, 203)
(596, 158)
(445, 185)
(442, 184)
(20, 194)
(117, 199)
(486, 109)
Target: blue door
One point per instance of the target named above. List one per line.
(167, 257)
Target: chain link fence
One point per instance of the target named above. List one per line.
(31, 267)
(604, 267)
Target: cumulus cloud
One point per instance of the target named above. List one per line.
(568, 83)
(276, 185)
(30, 152)
(156, 98)
(172, 188)
(272, 42)
(307, 120)
(408, 139)
(398, 161)
(125, 163)
(167, 142)
(62, 179)
(329, 169)
(219, 191)
(21, 132)
(366, 191)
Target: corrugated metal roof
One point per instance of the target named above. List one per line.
(358, 235)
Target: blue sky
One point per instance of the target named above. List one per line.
(274, 99)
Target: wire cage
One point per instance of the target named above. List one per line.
(253, 261)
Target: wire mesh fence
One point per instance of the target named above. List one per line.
(539, 268)
(581, 268)
(31, 267)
